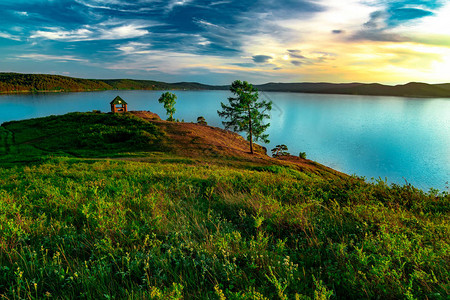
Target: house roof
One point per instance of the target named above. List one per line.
(118, 100)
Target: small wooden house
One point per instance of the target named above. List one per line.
(118, 105)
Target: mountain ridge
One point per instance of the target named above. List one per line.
(35, 83)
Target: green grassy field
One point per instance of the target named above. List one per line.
(75, 224)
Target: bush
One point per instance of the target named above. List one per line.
(201, 120)
(280, 150)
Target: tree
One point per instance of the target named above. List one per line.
(169, 104)
(246, 113)
(201, 120)
(280, 150)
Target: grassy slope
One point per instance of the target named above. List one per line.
(180, 210)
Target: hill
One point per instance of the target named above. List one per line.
(14, 82)
(33, 83)
(132, 207)
(130, 135)
(21, 83)
(412, 89)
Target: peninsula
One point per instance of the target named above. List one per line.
(128, 206)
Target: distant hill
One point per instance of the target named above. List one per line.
(304, 87)
(412, 89)
(33, 83)
(131, 84)
(14, 82)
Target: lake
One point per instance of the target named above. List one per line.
(396, 139)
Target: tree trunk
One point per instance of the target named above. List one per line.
(250, 130)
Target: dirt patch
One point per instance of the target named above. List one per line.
(148, 115)
(202, 141)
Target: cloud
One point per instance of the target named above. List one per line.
(43, 57)
(221, 2)
(384, 22)
(407, 14)
(261, 58)
(295, 54)
(88, 33)
(60, 34)
(134, 48)
(251, 37)
(245, 65)
(377, 20)
(123, 32)
(378, 36)
(8, 36)
(175, 3)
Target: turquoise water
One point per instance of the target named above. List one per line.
(396, 139)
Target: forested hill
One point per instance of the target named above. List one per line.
(412, 89)
(17, 83)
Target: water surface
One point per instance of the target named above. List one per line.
(396, 139)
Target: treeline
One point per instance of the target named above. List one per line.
(13, 82)
(33, 83)
(21, 83)
(412, 89)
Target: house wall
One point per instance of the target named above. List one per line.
(118, 108)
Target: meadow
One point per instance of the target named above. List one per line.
(86, 219)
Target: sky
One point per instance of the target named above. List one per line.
(218, 41)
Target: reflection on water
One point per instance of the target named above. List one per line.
(381, 137)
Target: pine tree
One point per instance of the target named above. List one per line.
(246, 113)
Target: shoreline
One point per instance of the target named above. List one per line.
(264, 91)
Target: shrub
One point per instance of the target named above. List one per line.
(280, 150)
(201, 120)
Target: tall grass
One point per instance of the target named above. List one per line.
(74, 228)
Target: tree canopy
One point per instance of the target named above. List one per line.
(280, 150)
(169, 103)
(246, 113)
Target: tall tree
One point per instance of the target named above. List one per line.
(246, 113)
(169, 104)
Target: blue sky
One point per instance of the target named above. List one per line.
(215, 42)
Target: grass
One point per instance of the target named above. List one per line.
(78, 134)
(173, 228)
